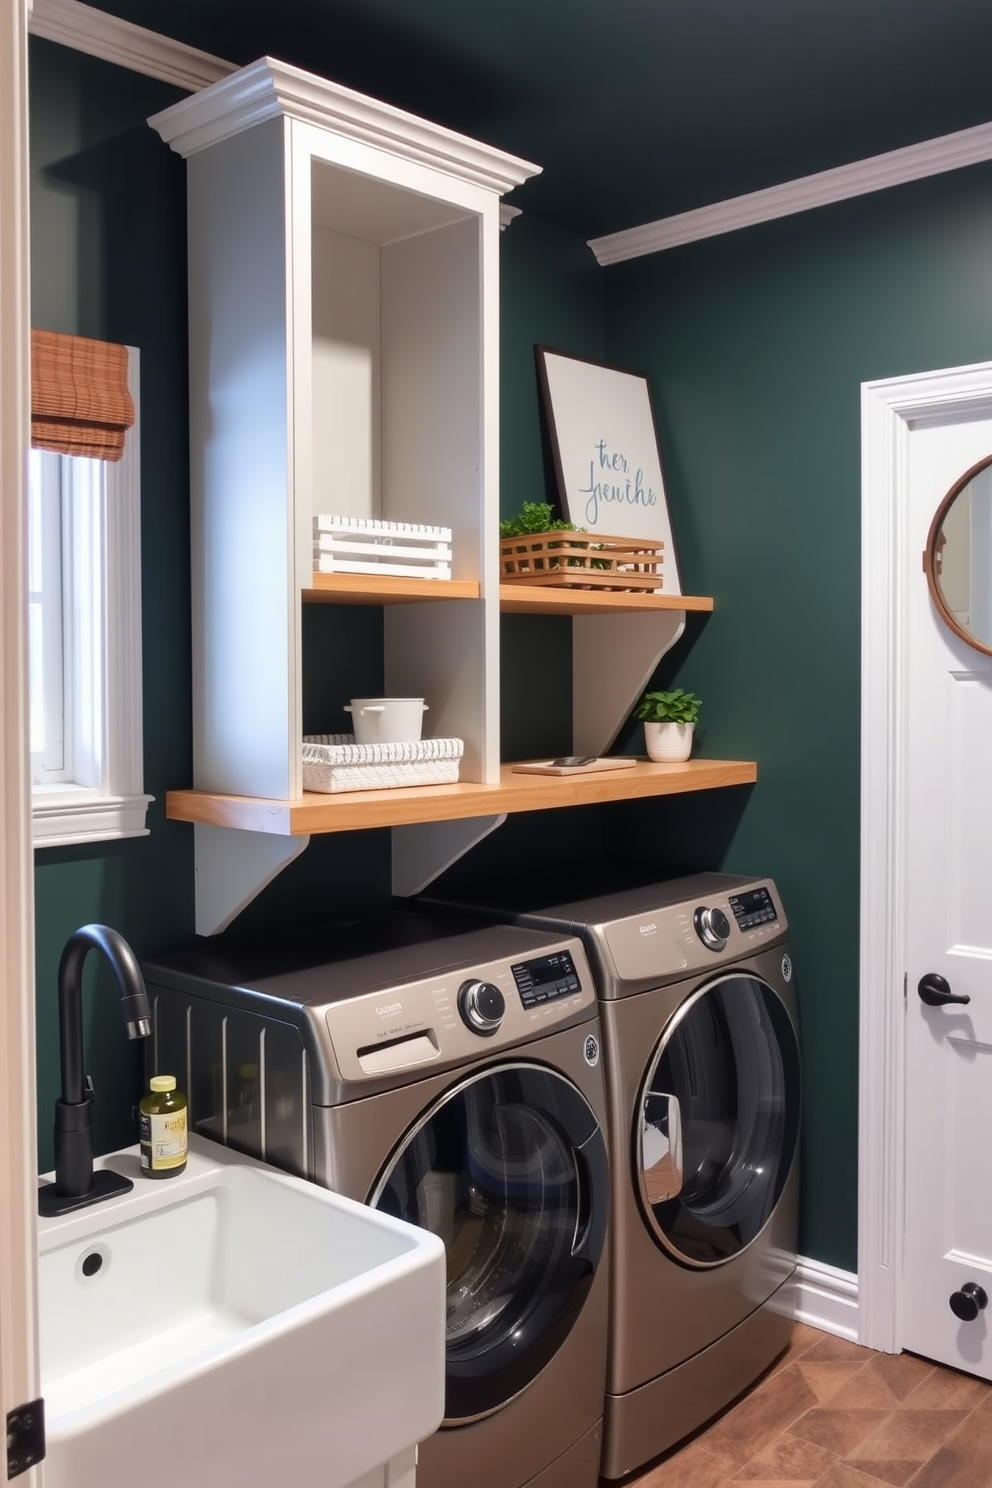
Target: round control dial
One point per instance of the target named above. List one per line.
(482, 1006)
(712, 927)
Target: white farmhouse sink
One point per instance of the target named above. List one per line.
(235, 1325)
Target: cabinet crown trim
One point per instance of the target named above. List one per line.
(268, 89)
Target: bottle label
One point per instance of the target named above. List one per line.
(163, 1140)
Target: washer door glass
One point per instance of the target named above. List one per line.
(718, 1120)
(509, 1168)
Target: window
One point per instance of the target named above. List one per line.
(85, 644)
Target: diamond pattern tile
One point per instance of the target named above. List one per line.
(749, 1426)
(826, 1378)
(831, 1414)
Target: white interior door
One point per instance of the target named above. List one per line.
(948, 933)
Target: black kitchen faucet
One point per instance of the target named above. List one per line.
(76, 1184)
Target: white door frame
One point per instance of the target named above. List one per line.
(889, 410)
(19, 1374)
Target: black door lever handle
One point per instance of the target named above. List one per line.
(935, 990)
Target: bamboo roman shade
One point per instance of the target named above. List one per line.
(80, 404)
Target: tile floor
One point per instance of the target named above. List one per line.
(836, 1415)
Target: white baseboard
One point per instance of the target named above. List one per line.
(827, 1298)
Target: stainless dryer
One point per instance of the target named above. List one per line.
(699, 1028)
(451, 1075)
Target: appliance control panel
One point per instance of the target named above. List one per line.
(546, 978)
(460, 1012)
(753, 908)
(664, 941)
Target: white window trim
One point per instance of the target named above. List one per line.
(48, 503)
(108, 801)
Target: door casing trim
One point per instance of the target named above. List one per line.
(890, 409)
(19, 1367)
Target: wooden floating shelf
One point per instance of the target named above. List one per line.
(353, 811)
(529, 599)
(514, 599)
(370, 589)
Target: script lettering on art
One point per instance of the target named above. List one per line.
(614, 480)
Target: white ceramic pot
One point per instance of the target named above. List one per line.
(668, 742)
(386, 720)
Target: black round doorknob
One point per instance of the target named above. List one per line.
(969, 1301)
(935, 990)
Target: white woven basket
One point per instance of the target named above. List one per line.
(334, 762)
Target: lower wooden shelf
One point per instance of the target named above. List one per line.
(353, 811)
(531, 599)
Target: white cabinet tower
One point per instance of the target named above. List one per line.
(343, 311)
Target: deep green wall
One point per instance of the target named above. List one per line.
(756, 344)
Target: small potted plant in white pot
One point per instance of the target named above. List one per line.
(669, 719)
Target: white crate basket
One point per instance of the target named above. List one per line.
(359, 545)
(334, 762)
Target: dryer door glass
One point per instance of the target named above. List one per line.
(509, 1167)
(718, 1120)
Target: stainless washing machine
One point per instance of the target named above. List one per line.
(449, 1074)
(700, 1036)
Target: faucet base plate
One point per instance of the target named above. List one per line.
(106, 1183)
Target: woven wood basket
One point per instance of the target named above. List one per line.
(577, 560)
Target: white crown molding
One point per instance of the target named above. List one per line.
(112, 40)
(913, 163)
(827, 1298)
(265, 90)
(268, 89)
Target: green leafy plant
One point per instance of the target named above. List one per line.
(533, 516)
(669, 707)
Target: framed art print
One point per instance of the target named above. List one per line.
(604, 443)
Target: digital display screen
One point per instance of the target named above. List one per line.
(546, 977)
(753, 908)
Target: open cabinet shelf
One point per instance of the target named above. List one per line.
(353, 811)
(514, 599)
(344, 360)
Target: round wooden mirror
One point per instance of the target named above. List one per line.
(958, 557)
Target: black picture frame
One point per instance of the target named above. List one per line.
(603, 441)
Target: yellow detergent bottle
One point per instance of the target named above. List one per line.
(162, 1129)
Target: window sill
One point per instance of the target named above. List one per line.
(66, 815)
